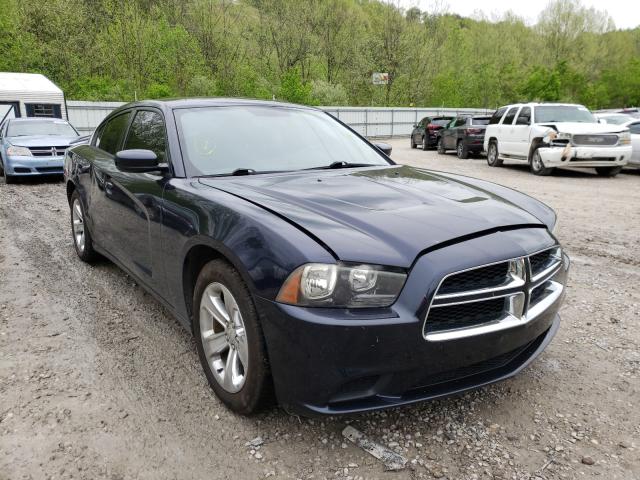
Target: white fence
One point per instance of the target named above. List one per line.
(368, 121)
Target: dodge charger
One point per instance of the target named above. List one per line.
(311, 269)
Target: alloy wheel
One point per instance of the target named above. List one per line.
(224, 338)
(78, 225)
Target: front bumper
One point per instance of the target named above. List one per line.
(571, 156)
(28, 166)
(327, 361)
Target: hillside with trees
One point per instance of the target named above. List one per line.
(320, 52)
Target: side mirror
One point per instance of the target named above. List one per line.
(384, 148)
(137, 161)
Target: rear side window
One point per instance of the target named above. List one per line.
(524, 117)
(511, 114)
(111, 134)
(634, 128)
(497, 116)
(147, 132)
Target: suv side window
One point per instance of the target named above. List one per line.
(111, 133)
(497, 115)
(635, 128)
(147, 132)
(511, 114)
(524, 117)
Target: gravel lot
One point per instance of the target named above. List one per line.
(98, 381)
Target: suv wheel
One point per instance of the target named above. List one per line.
(425, 145)
(492, 155)
(79, 231)
(441, 149)
(608, 171)
(229, 338)
(537, 165)
(461, 150)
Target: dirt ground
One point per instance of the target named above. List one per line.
(98, 381)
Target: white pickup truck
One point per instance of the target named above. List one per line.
(550, 135)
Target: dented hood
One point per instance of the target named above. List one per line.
(384, 215)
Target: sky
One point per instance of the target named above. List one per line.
(625, 13)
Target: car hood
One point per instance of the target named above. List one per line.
(41, 141)
(382, 215)
(585, 128)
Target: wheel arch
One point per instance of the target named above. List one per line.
(71, 187)
(197, 255)
(535, 144)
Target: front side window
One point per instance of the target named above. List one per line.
(147, 132)
(511, 114)
(563, 113)
(111, 134)
(634, 128)
(27, 128)
(497, 116)
(220, 140)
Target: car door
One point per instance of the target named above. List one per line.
(505, 140)
(131, 202)
(418, 132)
(520, 132)
(457, 132)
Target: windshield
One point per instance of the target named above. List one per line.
(41, 127)
(616, 119)
(564, 113)
(220, 140)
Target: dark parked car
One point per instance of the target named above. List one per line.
(425, 132)
(464, 134)
(307, 263)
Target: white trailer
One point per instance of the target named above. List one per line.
(30, 95)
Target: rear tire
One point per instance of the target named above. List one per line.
(82, 241)
(492, 155)
(229, 339)
(537, 165)
(462, 151)
(608, 171)
(441, 149)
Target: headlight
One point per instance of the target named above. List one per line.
(18, 151)
(339, 285)
(624, 138)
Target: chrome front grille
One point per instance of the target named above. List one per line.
(494, 297)
(606, 140)
(48, 151)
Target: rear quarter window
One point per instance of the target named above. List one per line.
(497, 116)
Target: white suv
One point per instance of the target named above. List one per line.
(549, 135)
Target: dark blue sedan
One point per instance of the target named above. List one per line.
(309, 266)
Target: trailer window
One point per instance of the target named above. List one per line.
(50, 110)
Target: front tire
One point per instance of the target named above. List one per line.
(82, 241)
(425, 145)
(462, 151)
(229, 339)
(441, 149)
(413, 144)
(537, 165)
(608, 171)
(493, 159)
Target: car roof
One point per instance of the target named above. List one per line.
(176, 103)
(542, 104)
